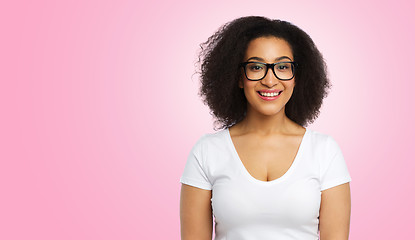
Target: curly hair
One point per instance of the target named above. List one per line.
(222, 53)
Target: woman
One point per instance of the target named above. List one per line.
(264, 175)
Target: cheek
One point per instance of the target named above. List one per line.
(249, 84)
(249, 88)
(290, 85)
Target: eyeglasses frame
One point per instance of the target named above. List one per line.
(269, 65)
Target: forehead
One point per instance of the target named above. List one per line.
(268, 48)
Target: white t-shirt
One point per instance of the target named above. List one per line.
(246, 208)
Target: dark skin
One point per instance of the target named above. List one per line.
(267, 142)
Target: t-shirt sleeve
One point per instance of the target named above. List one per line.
(194, 173)
(333, 170)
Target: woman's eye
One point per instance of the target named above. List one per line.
(283, 67)
(255, 67)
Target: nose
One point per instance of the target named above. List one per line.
(270, 80)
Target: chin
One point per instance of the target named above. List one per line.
(270, 111)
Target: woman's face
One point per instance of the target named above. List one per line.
(269, 95)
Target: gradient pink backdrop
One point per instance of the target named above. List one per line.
(99, 110)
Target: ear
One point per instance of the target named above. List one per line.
(241, 83)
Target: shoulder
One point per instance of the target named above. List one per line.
(211, 149)
(319, 137)
(323, 142)
(211, 140)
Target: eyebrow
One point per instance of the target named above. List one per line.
(261, 59)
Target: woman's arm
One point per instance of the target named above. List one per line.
(335, 212)
(195, 213)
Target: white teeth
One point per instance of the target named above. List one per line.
(268, 94)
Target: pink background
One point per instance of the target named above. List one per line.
(99, 110)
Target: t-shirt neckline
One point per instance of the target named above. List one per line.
(297, 158)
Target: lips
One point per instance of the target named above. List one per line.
(269, 95)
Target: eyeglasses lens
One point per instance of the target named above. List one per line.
(256, 71)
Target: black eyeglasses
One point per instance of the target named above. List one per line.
(256, 71)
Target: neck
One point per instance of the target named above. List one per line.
(262, 124)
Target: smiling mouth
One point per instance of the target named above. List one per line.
(269, 94)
